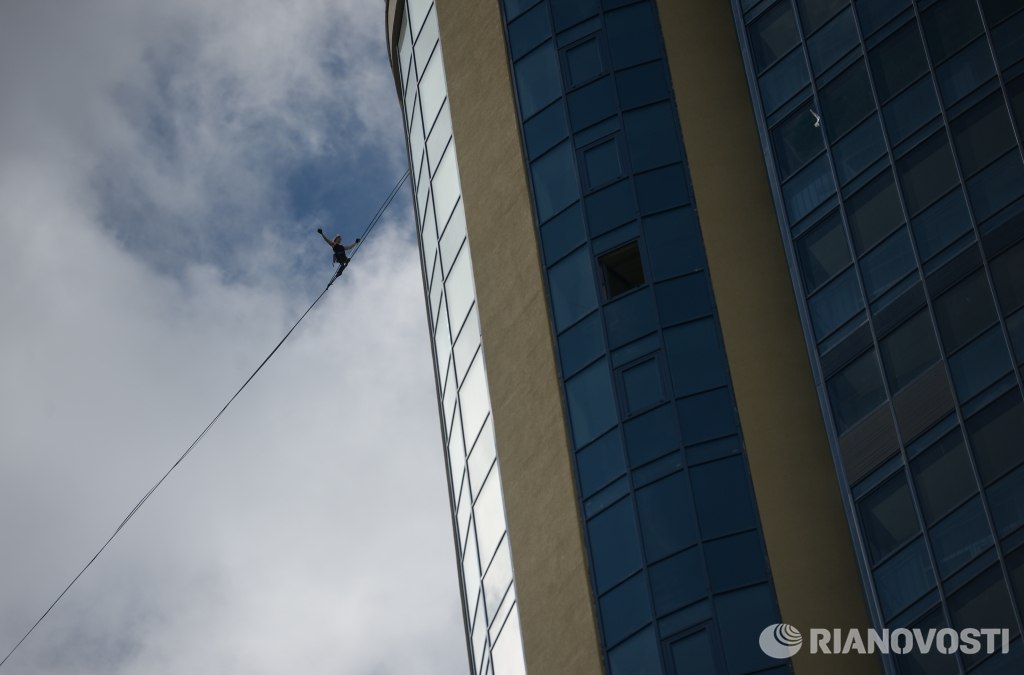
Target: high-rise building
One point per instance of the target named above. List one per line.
(726, 307)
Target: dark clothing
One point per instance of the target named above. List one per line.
(340, 256)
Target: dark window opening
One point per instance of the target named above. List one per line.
(622, 270)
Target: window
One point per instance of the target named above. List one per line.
(723, 497)
(1004, 500)
(876, 13)
(960, 537)
(949, 25)
(666, 514)
(602, 163)
(927, 172)
(678, 581)
(831, 42)
(814, 13)
(995, 434)
(965, 72)
(735, 561)
(941, 224)
(887, 517)
(979, 364)
(903, 579)
(823, 252)
(591, 402)
(537, 80)
(906, 113)
(855, 391)
(1008, 280)
(965, 311)
(796, 141)
(625, 609)
(694, 653)
(773, 34)
(943, 477)
(887, 263)
(982, 134)
(584, 62)
(600, 462)
(650, 134)
(614, 545)
(861, 147)
(696, 357)
(898, 61)
(933, 662)
(846, 100)
(783, 80)
(983, 602)
(621, 270)
(835, 304)
(642, 386)
(874, 211)
(908, 351)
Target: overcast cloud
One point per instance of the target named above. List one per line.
(162, 168)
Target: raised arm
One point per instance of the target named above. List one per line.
(352, 246)
(324, 237)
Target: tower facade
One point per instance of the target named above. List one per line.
(682, 356)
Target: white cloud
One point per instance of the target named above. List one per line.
(309, 532)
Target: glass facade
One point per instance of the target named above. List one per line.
(678, 568)
(892, 135)
(485, 564)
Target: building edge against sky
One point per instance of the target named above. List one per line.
(802, 526)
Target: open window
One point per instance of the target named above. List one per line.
(621, 270)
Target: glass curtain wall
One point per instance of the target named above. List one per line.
(484, 558)
(892, 131)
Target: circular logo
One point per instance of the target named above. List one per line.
(780, 640)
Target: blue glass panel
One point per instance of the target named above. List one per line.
(634, 35)
(625, 609)
(796, 140)
(683, 299)
(887, 264)
(546, 130)
(537, 79)
(943, 477)
(642, 85)
(572, 289)
(808, 188)
(662, 189)
(529, 31)
(723, 497)
(666, 516)
(949, 25)
(610, 207)
(584, 62)
(855, 391)
(979, 364)
(514, 8)
(742, 615)
(694, 653)
(985, 601)
(581, 344)
(875, 13)
(859, 149)
(965, 72)
(823, 252)
(638, 655)
(696, 358)
(630, 317)
(554, 181)
(673, 243)
(982, 134)
(846, 100)
(600, 463)
(649, 132)
(898, 61)
(783, 81)
(602, 163)
(941, 225)
(735, 561)
(904, 578)
(959, 538)
(927, 172)
(590, 398)
(1008, 38)
(832, 41)
(773, 34)
(835, 304)
(1015, 326)
(614, 545)
(1006, 501)
(592, 103)
(652, 435)
(910, 110)
(678, 581)
(569, 12)
(642, 386)
(563, 233)
(874, 211)
(997, 186)
(707, 416)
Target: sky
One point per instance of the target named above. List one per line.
(163, 169)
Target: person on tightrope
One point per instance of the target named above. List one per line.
(340, 255)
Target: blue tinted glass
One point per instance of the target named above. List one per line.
(583, 62)
(997, 186)
(735, 561)
(943, 477)
(965, 72)
(1006, 502)
(695, 356)
(662, 189)
(832, 41)
(887, 264)
(874, 211)
(995, 435)
(634, 35)
(610, 207)
(982, 134)
(823, 252)
(808, 188)
(898, 61)
(927, 172)
(773, 34)
(666, 516)
(949, 25)
(908, 351)
(602, 163)
(638, 655)
(614, 545)
(546, 130)
(796, 140)
(1015, 326)
(861, 147)
(959, 538)
(569, 12)
(683, 299)
(673, 243)
(985, 601)
(581, 344)
(723, 497)
(742, 615)
(563, 233)
(693, 654)
(855, 391)
(600, 462)
(554, 182)
(707, 416)
(874, 13)
(910, 110)
(591, 402)
(783, 81)
(846, 100)
(678, 581)
(592, 103)
(528, 31)
(630, 317)
(625, 609)
(642, 85)
(642, 386)
(648, 133)
(1008, 38)
(941, 225)
(652, 435)
(514, 8)
(572, 289)
(979, 364)
(835, 304)
(537, 79)
(904, 578)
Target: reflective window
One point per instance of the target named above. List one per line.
(796, 141)
(908, 351)
(933, 662)
(943, 477)
(773, 34)
(995, 435)
(941, 224)
(998, 185)
(652, 435)
(1008, 279)
(960, 537)
(545, 129)
(600, 462)
(723, 497)
(898, 61)
(908, 112)
(591, 401)
(979, 364)
(983, 602)
(569, 13)
(638, 654)
(982, 134)
(678, 581)
(783, 80)
(903, 579)
(887, 517)
(835, 304)
(735, 561)
(846, 100)
(695, 357)
(889, 262)
(633, 34)
(584, 62)
(554, 181)
(808, 188)
(860, 148)
(621, 270)
(602, 163)
(1006, 502)
(529, 30)
(832, 41)
(537, 79)
(592, 103)
(823, 252)
(642, 386)
(814, 13)
(949, 25)
(874, 211)
(965, 72)
(572, 289)
(876, 13)
(614, 545)
(625, 609)
(507, 655)
(964, 311)
(709, 415)
(694, 653)
(646, 131)
(855, 391)
(927, 172)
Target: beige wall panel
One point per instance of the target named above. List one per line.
(559, 632)
(805, 529)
